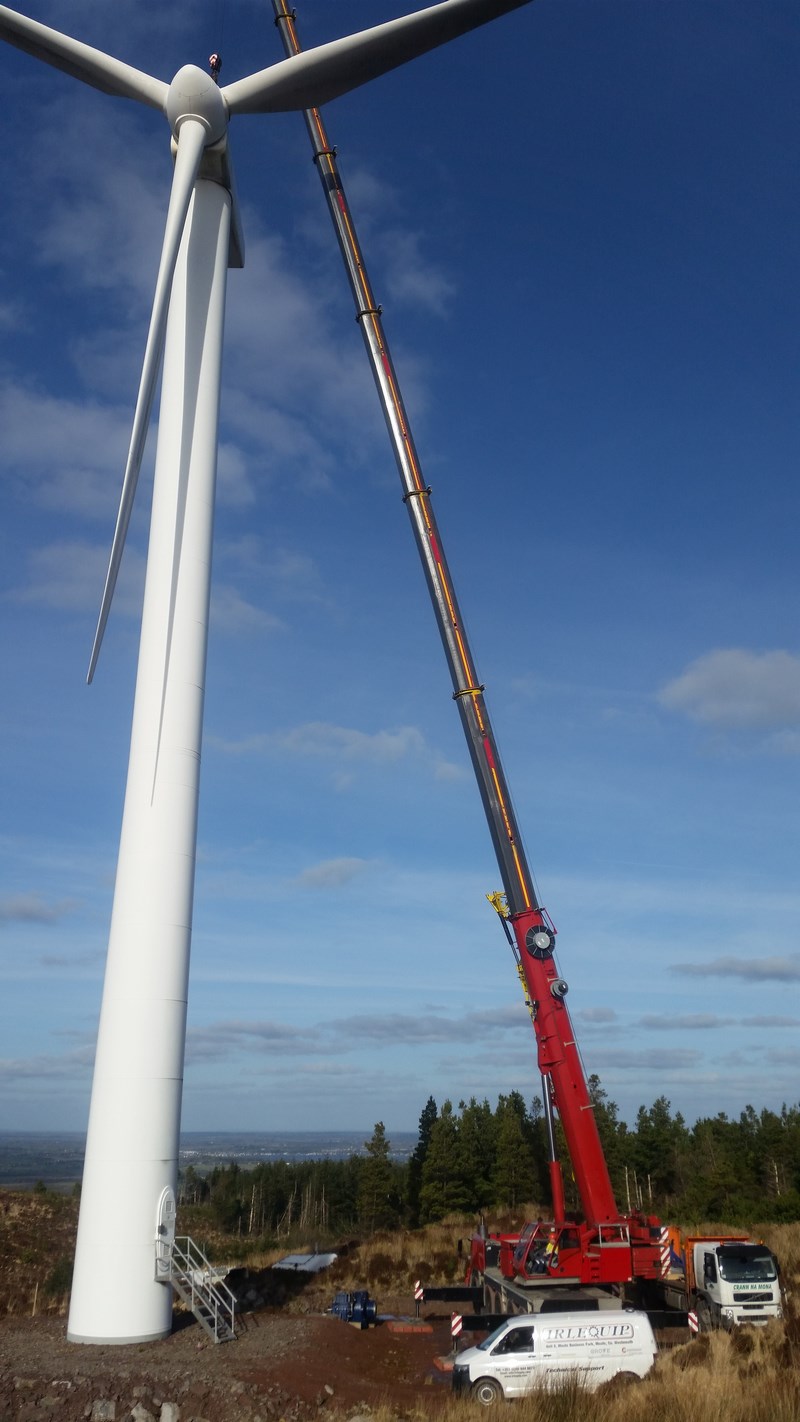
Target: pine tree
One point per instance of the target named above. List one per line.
(514, 1171)
(417, 1160)
(613, 1133)
(541, 1184)
(478, 1133)
(377, 1204)
(657, 1151)
(444, 1187)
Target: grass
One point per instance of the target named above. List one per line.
(37, 1243)
(740, 1377)
(745, 1376)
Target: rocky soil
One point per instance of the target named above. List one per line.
(290, 1361)
(282, 1366)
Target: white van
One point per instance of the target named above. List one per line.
(543, 1349)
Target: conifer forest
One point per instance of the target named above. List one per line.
(474, 1158)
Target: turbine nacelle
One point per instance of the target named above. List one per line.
(193, 94)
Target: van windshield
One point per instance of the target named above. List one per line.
(747, 1264)
(516, 1339)
(492, 1339)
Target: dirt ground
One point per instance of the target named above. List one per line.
(283, 1365)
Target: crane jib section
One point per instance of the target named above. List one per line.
(467, 690)
(559, 1059)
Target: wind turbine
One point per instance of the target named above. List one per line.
(128, 1198)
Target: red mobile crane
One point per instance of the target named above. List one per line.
(604, 1247)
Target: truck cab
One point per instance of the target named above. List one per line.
(736, 1281)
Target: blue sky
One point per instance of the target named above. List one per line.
(582, 223)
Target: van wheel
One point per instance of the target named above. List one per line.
(487, 1391)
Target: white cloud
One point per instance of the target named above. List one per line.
(293, 577)
(11, 315)
(770, 1021)
(390, 1029)
(346, 1035)
(45, 1066)
(70, 576)
(70, 454)
(147, 27)
(709, 1021)
(233, 613)
(90, 959)
(667, 1059)
(31, 908)
(411, 278)
(221, 1039)
(737, 689)
(694, 1021)
(319, 738)
(103, 234)
(448, 770)
(331, 873)
(287, 383)
(346, 744)
(234, 485)
(753, 970)
(712, 899)
(287, 374)
(785, 742)
(295, 574)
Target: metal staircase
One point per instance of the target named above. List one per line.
(202, 1289)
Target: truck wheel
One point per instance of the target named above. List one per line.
(486, 1391)
(704, 1322)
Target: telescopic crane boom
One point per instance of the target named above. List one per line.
(527, 923)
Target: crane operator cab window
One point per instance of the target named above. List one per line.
(536, 1262)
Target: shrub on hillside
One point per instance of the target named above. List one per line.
(59, 1280)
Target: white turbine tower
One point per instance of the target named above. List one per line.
(130, 1175)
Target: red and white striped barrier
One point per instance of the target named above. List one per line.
(666, 1252)
(456, 1324)
(418, 1291)
(693, 1323)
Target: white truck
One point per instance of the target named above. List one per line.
(545, 1349)
(722, 1281)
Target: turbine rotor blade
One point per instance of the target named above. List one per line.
(318, 75)
(83, 62)
(192, 139)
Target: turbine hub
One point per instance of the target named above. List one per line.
(193, 94)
